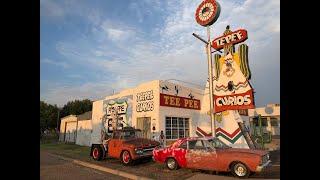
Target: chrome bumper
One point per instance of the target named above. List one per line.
(263, 166)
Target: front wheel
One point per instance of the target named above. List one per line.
(172, 164)
(97, 153)
(126, 158)
(240, 170)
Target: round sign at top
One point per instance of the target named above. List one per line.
(207, 12)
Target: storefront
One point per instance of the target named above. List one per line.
(153, 107)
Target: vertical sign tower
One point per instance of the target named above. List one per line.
(206, 14)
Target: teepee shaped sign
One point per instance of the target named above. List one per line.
(232, 90)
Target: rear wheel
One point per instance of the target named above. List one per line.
(97, 153)
(240, 170)
(126, 158)
(172, 164)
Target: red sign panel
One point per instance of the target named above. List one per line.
(231, 38)
(179, 102)
(234, 102)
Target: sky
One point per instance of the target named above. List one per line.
(88, 49)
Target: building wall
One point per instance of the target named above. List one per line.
(275, 130)
(152, 113)
(84, 133)
(262, 111)
(67, 129)
(96, 122)
(157, 114)
(196, 117)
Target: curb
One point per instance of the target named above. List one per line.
(101, 168)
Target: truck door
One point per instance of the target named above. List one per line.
(113, 145)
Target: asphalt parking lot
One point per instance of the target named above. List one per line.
(57, 169)
(53, 168)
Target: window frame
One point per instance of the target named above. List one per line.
(203, 144)
(178, 127)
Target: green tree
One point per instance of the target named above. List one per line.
(76, 107)
(48, 116)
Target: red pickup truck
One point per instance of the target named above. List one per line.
(126, 145)
(210, 153)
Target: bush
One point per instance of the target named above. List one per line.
(49, 136)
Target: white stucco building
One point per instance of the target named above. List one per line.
(68, 126)
(76, 129)
(270, 116)
(155, 106)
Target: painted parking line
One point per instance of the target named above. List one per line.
(104, 169)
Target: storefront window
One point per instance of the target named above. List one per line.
(264, 121)
(177, 127)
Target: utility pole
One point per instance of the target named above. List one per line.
(206, 14)
(210, 74)
(213, 127)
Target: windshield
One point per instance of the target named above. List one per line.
(131, 134)
(217, 143)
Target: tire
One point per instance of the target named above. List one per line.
(126, 158)
(97, 153)
(171, 164)
(240, 170)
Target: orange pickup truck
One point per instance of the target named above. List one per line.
(126, 145)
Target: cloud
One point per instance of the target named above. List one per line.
(116, 34)
(56, 63)
(49, 8)
(57, 93)
(117, 31)
(123, 56)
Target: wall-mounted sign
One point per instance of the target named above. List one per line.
(117, 109)
(116, 112)
(207, 12)
(234, 37)
(120, 107)
(145, 101)
(234, 101)
(179, 102)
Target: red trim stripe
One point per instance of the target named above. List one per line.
(202, 132)
(226, 133)
(221, 131)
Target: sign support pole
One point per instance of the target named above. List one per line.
(213, 128)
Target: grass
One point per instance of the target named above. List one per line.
(70, 150)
